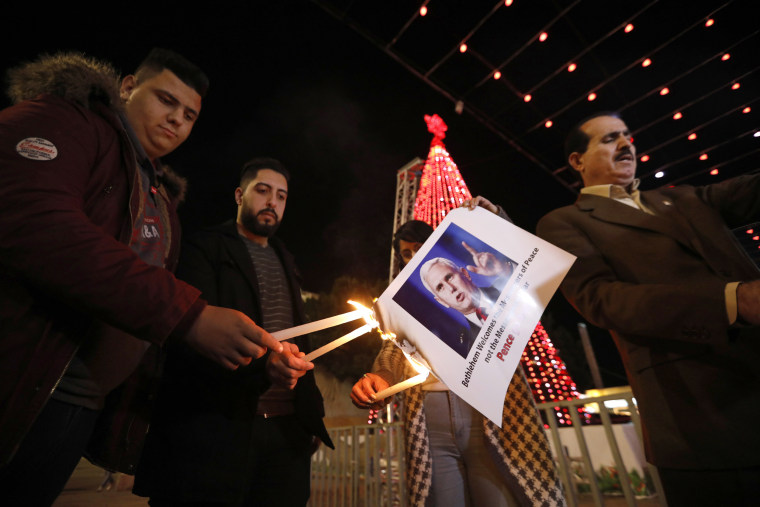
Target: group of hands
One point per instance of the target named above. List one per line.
(231, 339)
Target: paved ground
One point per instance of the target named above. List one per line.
(81, 491)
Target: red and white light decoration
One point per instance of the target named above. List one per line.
(547, 375)
(441, 186)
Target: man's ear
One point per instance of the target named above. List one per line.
(575, 161)
(239, 196)
(128, 84)
(441, 302)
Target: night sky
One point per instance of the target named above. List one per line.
(291, 82)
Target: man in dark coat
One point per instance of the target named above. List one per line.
(662, 271)
(233, 437)
(88, 239)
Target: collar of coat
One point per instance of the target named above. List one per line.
(72, 76)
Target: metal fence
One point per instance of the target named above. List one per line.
(569, 476)
(367, 467)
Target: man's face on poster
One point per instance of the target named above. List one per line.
(453, 287)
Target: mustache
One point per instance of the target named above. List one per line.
(269, 210)
(624, 151)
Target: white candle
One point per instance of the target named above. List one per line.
(318, 325)
(338, 342)
(397, 388)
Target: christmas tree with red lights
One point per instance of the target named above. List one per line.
(441, 186)
(442, 189)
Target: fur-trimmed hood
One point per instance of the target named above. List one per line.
(175, 184)
(72, 76)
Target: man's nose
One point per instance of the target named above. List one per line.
(175, 116)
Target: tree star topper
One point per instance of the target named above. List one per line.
(436, 126)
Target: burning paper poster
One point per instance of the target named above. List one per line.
(469, 300)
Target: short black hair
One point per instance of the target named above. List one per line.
(159, 59)
(577, 140)
(415, 231)
(252, 167)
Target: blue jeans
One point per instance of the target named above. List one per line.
(464, 474)
(48, 455)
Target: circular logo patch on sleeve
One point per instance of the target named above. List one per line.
(36, 148)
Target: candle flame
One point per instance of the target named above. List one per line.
(369, 315)
(370, 319)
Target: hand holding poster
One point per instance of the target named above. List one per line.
(468, 302)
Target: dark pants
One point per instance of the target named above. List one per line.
(279, 467)
(695, 488)
(48, 455)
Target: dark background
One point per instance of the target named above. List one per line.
(292, 81)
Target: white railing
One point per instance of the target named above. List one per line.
(367, 467)
(587, 476)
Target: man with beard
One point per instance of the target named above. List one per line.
(663, 272)
(240, 437)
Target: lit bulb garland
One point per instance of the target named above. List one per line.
(441, 185)
(547, 375)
